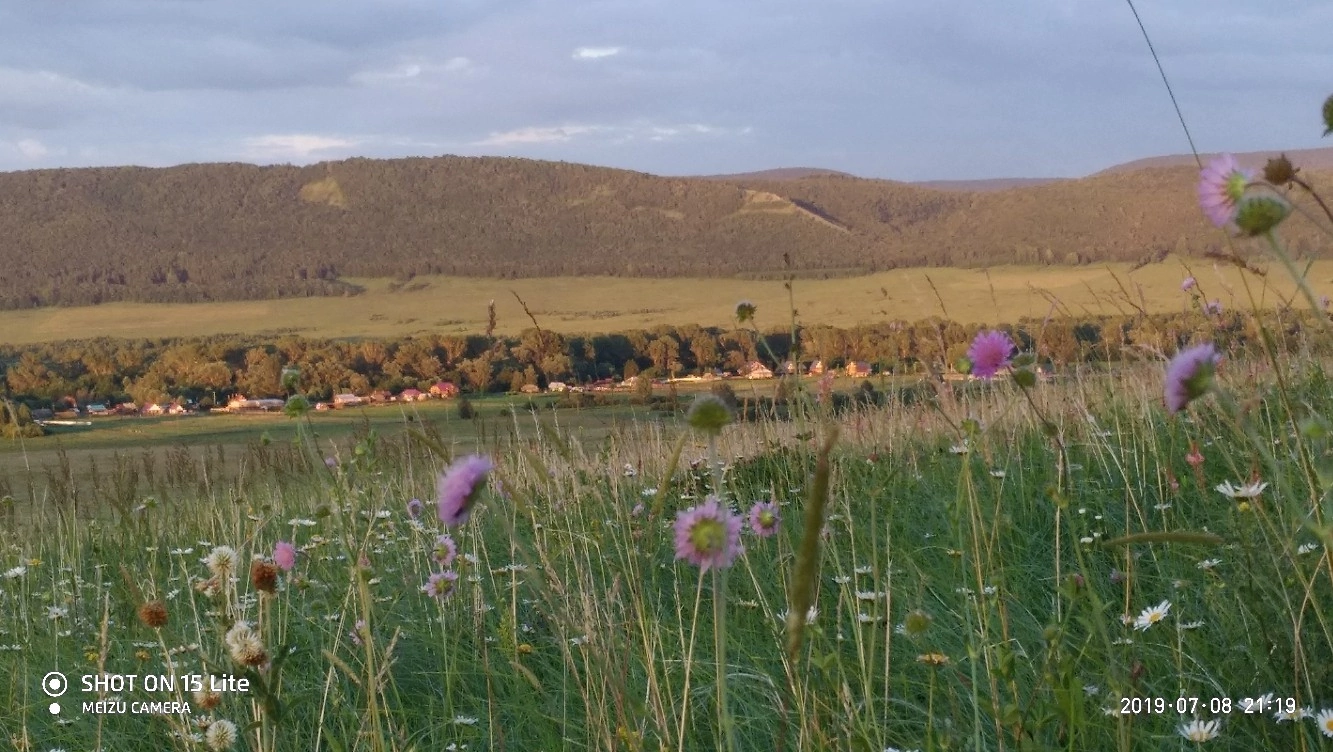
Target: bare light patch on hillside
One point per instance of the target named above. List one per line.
(325, 191)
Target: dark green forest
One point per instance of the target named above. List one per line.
(207, 370)
(234, 231)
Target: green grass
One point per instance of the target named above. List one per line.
(572, 625)
(442, 305)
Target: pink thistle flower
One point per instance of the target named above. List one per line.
(708, 535)
(990, 352)
(440, 584)
(459, 486)
(1187, 284)
(1221, 184)
(445, 551)
(1189, 376)
(284, 555)
(1213, 308)
(414, 508)
(1195, 457)
(764, 518)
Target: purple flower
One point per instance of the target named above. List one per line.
(330, 462)
(990, 352)
(1221, 184)
(1323, 302)
(764, 518)
(708, 535)
(414, 508)
(1187, 284)
(445, 551)
(458, 487)
(1189, 376)
(1213, 308)
(440, 584)
(284, 555)
(357, 630)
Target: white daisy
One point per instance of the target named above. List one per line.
(1247, 491)
(1199, 731)
(1299, 714)
(1325, 722)
(1307, 548)
(1151, 616)
(1207, 564)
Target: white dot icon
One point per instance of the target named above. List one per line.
(54, 684)
(55, 708)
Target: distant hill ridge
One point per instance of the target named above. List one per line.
(235, 231)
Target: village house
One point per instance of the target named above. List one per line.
(757, 370)
(444, 390)
(817, 368)
(557, 386)
(98, 408)
(153, 408)
(530, 389)
(858, 369)
(380, 395)
(411, 395)
(346, 399)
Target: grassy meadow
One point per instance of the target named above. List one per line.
(996, 569)
(442, 305)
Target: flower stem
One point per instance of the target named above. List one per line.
(726, 729)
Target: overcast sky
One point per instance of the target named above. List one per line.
(926, 89)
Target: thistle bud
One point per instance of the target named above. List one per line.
(708, 414)
(744, 311)
(153, 614)
(1260, 212)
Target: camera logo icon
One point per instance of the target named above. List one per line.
(55, 684)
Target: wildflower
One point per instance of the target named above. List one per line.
(445, 551)
(15, 572)
(221, 562)
(1199, 731)
(1194, 458)
(811, 614)
(1221, 185)
(1189, 376)
(284, 555)
(1213, 308)
(1187, 284)
(1151, 616)
(414, 508)
(1247, 491)
(465, 720)
(1325, 722)
(55, 613)
(1323, 302)
(357, 631)
(1207, 564)
(1279, 170)
(153, 614)
(245, 645)
(1307, 548)
(744, 311)
(1186, 626)
(764, 518)
(210, 587)
(459, 486)
(221, 734)
(708, 535)
(990, 352)
(440, 584)
(708, 414)
(1299, 714)
(264, 576)
(933, 659)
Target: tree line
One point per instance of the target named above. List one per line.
(208, 370)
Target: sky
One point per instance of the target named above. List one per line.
(922, 90)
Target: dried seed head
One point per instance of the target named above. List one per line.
(264, 576)
(1279, 171)
(153, 614)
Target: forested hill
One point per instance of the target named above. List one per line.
(235, 231)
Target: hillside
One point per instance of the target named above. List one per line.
(237, 232)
